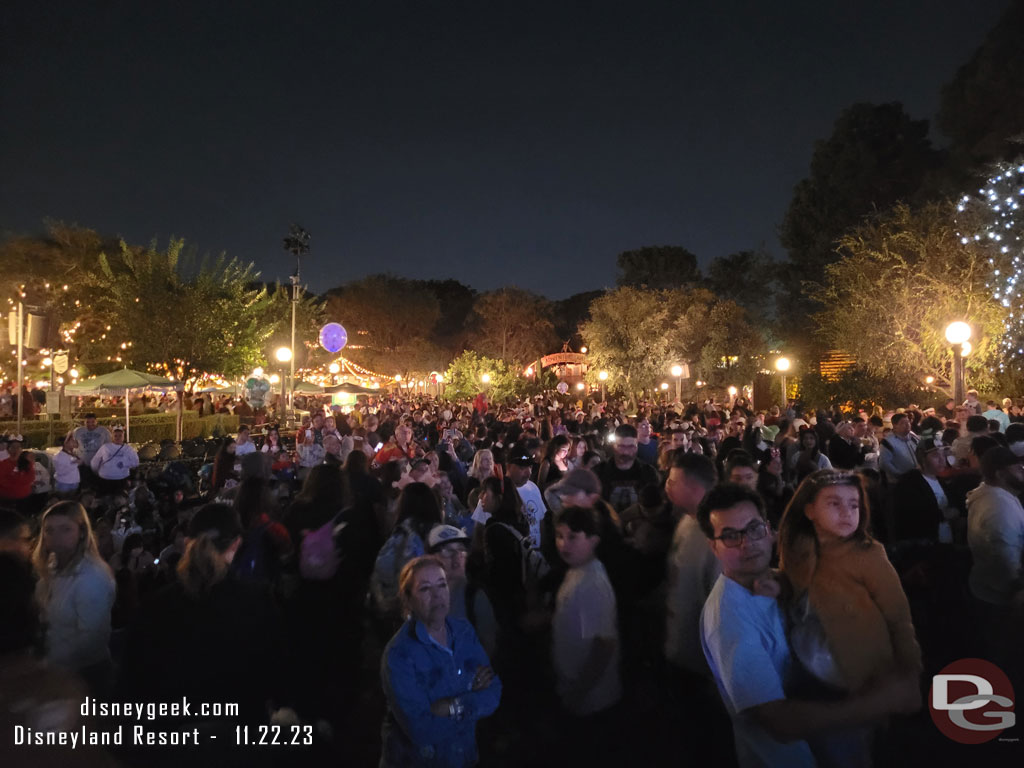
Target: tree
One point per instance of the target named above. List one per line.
(51, 270)
(388, 319)
(456, 302)
(660, 266)
(628, 336)
(464, 378)
(990, 222)
(902, 279)
(981, 106)
(749, 278)
(172, 312)
(571, 312)
(877, 155)
(513, 325)
(715, 336)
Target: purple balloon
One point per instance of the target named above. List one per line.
(333, 337)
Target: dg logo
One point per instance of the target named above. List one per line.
(971, 701)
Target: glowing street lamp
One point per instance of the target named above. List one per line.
(782, 365)
(283, 354)
(677, 371)
(73, 373)
(603, 376)
(583, 350)
(580, 387)
(957, 334)
(333, 368)
(733, 391)
(485, 378)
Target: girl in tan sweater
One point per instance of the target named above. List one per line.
(852, 622)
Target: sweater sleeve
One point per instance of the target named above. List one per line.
(883, 584)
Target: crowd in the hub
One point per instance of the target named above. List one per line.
(530, 582)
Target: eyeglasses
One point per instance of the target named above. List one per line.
(754, 532)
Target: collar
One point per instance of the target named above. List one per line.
(421, 634)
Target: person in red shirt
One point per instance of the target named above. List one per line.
(17, 471)
(400, 447)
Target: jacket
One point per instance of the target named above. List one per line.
(415, 672)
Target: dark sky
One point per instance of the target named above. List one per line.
(496, 143)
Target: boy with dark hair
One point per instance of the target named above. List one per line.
(584, 629)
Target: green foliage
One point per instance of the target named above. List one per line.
(172, 312)
(902, 279)
(661, 266)
(859, 387)
(513, 325)
(875, 157)
(463, 378)
(389, 322)
(638, 335)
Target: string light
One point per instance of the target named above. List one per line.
(997, 206)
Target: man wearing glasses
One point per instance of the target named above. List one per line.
(744, 640)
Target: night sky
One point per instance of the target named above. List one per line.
(497, 143)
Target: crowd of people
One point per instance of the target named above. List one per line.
(544, 581)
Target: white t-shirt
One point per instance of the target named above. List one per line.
(65, 468)
(533, 509)
(243, 448)
(744, 640)
(585, 610)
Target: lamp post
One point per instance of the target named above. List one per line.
(957, 334)
(603, 376)
(297, 244)
(284, 355)
(782, 366)
(677, 371)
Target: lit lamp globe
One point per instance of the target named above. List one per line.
(275, 379)
(664, 386)
(677, 370)
(603, 375)
(257, 373)
(398, 377)
(47, 361)
(440, 378)
(485, 378)
(580, 386)
(73, 373)
(333, 367)
(958, 332)
(583, 350)
(283, 354)
(782, 364)
(732, 391)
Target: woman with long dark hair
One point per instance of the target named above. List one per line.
(207, 637)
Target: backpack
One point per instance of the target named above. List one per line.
(394, 554)
(318, 555)
(534, 566)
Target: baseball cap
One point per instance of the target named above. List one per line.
(442, 534)
(575, 481)
(117, 428)
(522, 458)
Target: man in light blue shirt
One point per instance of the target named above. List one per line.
(993, 413)
(744, 640)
